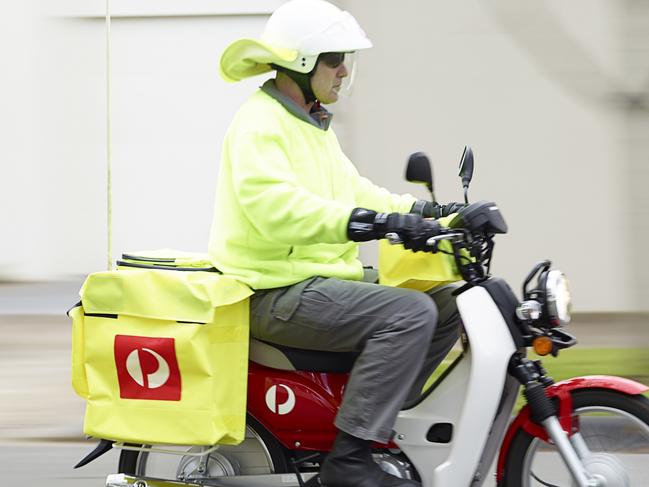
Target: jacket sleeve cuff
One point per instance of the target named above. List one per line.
(423, 208)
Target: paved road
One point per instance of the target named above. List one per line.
(35, 369)
(38, 298)
(38, 464)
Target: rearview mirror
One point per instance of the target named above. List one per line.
(419, 170)
(466, 166)
(466, 170)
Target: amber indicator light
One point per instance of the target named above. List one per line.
(542, 345)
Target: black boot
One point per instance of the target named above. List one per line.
(350, 464)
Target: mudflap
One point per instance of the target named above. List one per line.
(100, 449)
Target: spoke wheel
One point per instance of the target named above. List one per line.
(613, 442)
(258, 454)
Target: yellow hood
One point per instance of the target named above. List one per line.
(250, 57)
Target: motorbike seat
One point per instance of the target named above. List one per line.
(288, 358)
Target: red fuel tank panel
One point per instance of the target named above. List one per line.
(297, 407)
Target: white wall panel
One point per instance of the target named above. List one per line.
(20, 223)
(530, 86)
(170, 112)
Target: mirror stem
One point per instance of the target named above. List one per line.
(432, 195)
(466, 194)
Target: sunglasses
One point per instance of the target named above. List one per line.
(333, 59)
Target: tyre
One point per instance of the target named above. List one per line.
(615, 430)
(259, 454)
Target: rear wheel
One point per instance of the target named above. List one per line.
(613, 441)
(259, 454)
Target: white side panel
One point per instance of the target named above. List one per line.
(468, 398)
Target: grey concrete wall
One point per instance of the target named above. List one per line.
(634, 29)
(535, 88)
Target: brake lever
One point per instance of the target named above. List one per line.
(393, 238)
(454, 237)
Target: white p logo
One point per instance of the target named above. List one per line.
(153, 380)
(284, 408)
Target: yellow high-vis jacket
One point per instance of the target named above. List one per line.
(284, 197)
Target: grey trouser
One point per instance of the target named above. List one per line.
(402, 335)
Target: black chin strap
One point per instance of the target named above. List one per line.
(303, 80)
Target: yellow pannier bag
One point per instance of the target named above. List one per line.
(399, 267)
(161, 356)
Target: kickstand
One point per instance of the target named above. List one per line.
(294, 464)
(314, 481)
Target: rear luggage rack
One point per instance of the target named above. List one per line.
(122, 263)
(148, 259)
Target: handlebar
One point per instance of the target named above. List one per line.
(472, 244)
(448, 234)
(472, 251)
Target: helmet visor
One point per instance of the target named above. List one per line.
(335, 60)
(351, 63)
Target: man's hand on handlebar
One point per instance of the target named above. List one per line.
(412, 229)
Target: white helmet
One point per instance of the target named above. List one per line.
(293, 38)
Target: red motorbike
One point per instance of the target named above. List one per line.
(586, 431)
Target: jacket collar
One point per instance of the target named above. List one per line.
(319, 117)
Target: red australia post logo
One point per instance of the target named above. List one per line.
(147, 368)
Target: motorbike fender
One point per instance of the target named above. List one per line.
(561, 391)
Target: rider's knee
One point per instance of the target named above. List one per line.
(420, 313)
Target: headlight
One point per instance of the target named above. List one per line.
(557, 298)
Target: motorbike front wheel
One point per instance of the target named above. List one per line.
(259, 454)
(612, 441)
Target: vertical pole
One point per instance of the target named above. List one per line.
(109, 199)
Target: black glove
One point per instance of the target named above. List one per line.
(428, 209)
(413, 230)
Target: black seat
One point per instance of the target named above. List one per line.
(288, 358)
